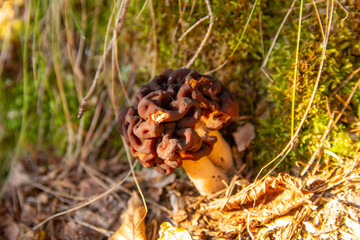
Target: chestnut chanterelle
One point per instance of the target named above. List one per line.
(175, 122)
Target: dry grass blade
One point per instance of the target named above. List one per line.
(262, 68)
(83, 204)
(347, 102)
(353, 74)
(328, 129)
(238, 42)
(319, 20)
(207, 35)
(193, 27)
(119, 26)
(98, 229)
(154, 39)
(296, 70)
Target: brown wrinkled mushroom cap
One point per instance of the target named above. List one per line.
(160, 128)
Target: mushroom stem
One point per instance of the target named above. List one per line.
(205, 175)
(208, 173)
(221, 154)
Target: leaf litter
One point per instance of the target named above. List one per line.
(316, 206)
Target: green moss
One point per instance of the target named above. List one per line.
(339, 63)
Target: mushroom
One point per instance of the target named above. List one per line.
(175, 121)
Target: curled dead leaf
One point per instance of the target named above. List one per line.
(254, 206)
(133, 224)
(270, 187)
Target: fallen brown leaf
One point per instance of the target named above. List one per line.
(254, 206)
(133, 224)
(269, 187)
(243, 136)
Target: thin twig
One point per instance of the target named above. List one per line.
(56, 193)
(243, 32)
(122, 82)
(345, 10)
(79, 76)
(207, 35)
(154, 39)
(94, 33)
(25, 108)
(95, 172)
(106, 121)
(276, 37)
(248, 226)
(217, 68)
(319, 20)
(342, 101)
(93, 227)
(239, 41)
(328, 110)
(191, 10)
(346, 81)
(181, 14)
(59, 81)
(305, 6)
(85, 203)
(105, 136)
(296, 69)
(85, 148)
(193, 27)
(173, 36)
(347, 102)
(82, 38)
(92, 173)
(120, 24)
(142, 9)
(261, 36)
(114, 76)
(310, 162)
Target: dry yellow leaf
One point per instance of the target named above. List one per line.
(168, 232)
(133, 224)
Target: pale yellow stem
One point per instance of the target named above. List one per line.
(221, 154)
(206, 176)
(209, 173)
